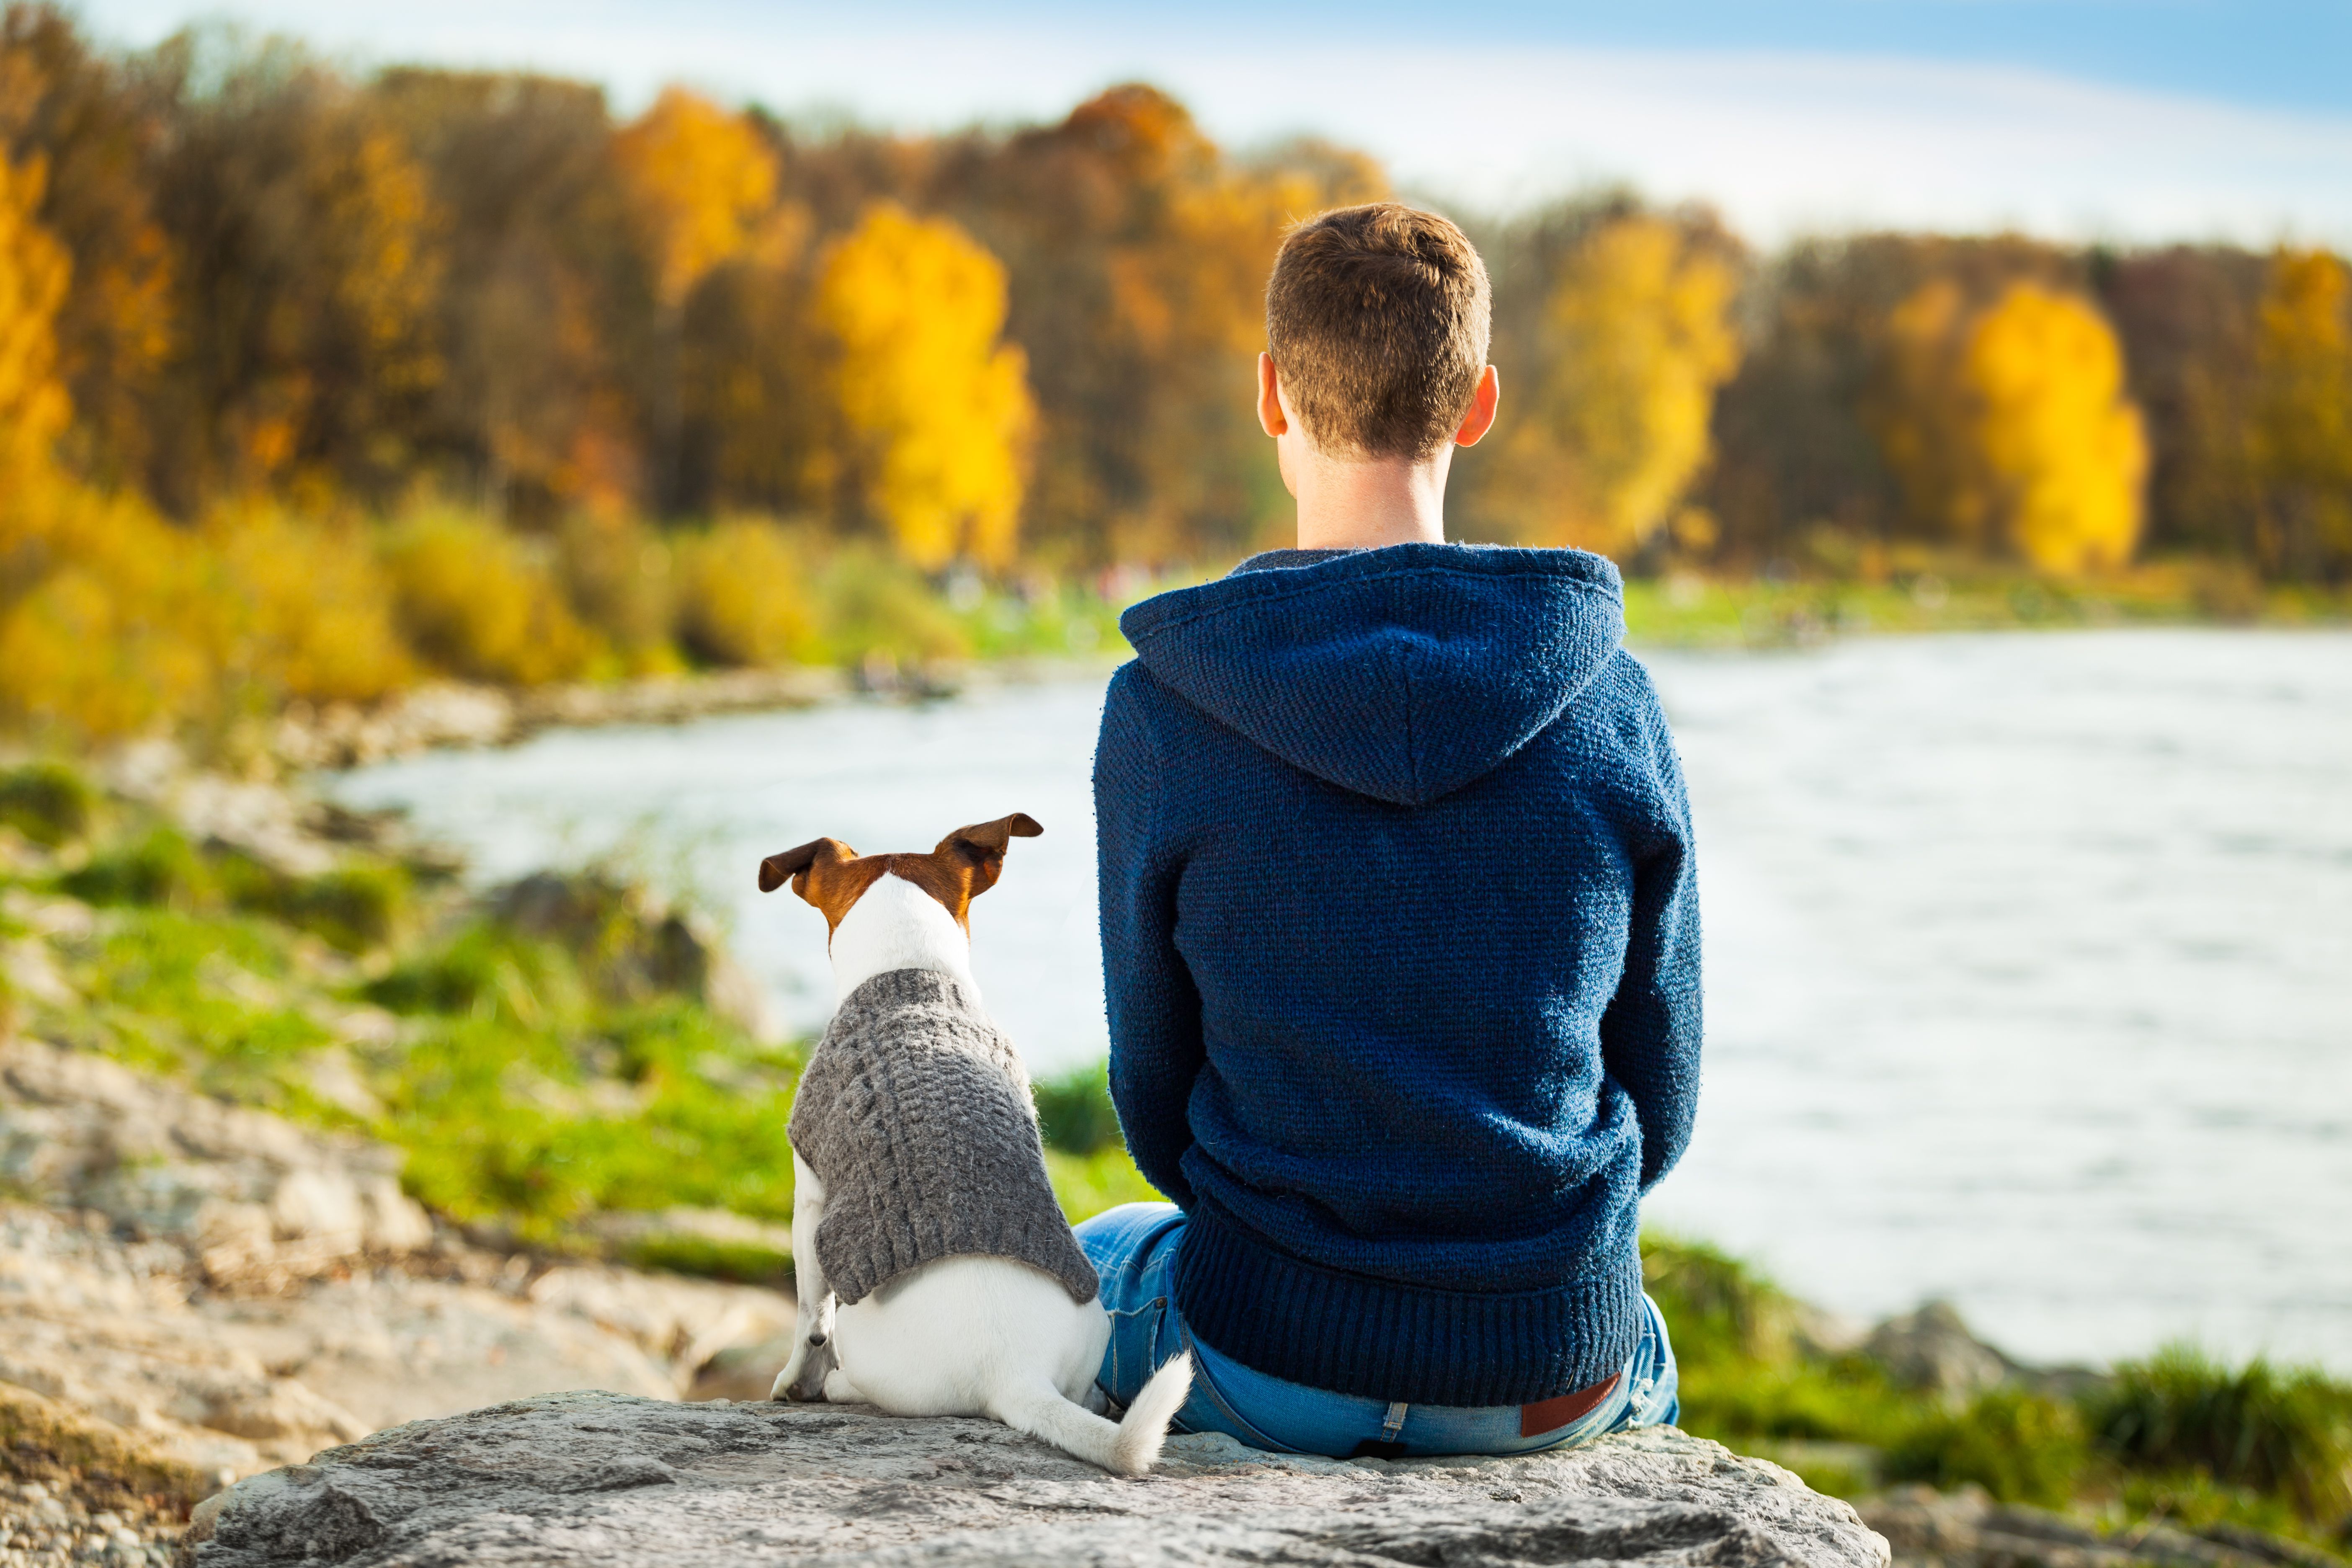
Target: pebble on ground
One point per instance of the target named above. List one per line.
(42, 1525)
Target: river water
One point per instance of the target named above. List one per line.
(2029, 956)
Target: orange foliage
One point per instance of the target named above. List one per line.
(34, 271)
(699, 179)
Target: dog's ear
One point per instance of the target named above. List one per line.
(981, 846)
(795, 864)
(992, 839)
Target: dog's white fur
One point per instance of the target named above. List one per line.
(895, 924)
(963, 1336)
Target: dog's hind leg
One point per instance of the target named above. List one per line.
(814, 1358)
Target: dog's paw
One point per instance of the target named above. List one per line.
(803, 1378)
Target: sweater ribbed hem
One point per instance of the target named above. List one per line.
(1297, 1320)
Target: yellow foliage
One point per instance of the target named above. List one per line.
(34, 273)
(699, 179)
(746, 597)
(2302, 436)
(113, 624)
(1617, 428)
(938, 406)
(312, 606)
(618, 574)
(2064, 447)
(474, 600)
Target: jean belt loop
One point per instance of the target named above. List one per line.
(1395, 1422)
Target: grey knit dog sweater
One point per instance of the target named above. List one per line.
(915, 1113)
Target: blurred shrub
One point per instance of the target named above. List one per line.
(616, 573)
(109, 619)
(1718, 1309)
(310, 606)
(491, 973)
(354, 907)
(876, 604)
(748, 595)
(474, 601)
(2019, 1446)
(159, 869)
(1074, 1111)
(47, 802)
(2284, 1433)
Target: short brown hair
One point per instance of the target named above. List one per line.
(1377, 317)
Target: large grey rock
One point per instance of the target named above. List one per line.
(608, 1479)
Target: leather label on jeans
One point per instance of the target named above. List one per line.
(1553, 1414)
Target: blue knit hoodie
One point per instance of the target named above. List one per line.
(1400, 942)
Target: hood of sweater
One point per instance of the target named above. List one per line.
(1402, 673)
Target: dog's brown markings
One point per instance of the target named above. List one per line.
(832, 876)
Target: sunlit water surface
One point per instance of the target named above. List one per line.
(2029, 957)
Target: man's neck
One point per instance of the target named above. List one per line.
(1365, 505)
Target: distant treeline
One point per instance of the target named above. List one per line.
(235, 280)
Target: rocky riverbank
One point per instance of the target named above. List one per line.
(344, 735)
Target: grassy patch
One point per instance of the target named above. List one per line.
(1924, 593)
(49, 802)
(2178, 1437)
(2285, 1434)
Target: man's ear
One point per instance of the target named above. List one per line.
(981, 846)
(795, 863)
(1479, 417)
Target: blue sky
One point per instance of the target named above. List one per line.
(2087, 119)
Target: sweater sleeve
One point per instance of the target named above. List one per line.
(1154, 1009)
(1650, 1033)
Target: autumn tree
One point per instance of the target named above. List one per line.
(2302, 434)
(1137, 254)
(311, 261)
(86, 119)
(699, 182)
(1635, 336)
(2064, 449)
(2187, 318)
(540, 314)
(934, 404)
(2010, 426)
(34, 272)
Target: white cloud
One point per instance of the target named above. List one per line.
(1782, 142)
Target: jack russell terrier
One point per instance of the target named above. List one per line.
(937, 1275)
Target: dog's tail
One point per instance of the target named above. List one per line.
(1128, 1447)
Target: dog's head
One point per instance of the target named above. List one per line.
(832, 876)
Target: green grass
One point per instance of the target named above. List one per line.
(2178, 1437)
(2282, 1433)
(1948, 594)
(47, 801)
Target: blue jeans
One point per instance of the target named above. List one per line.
(1133, 1248)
